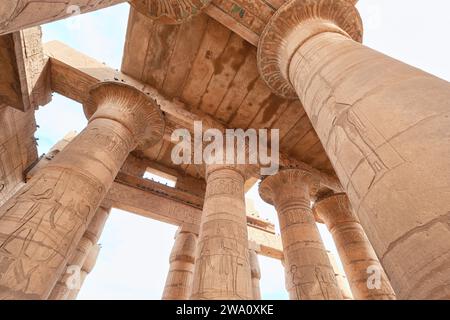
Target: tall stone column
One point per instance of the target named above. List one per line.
(256, 274)
(76, 262)
(179, 280)
(222, 266)
(340, 278)
(384, 126)
(87, 268)
(356, 252)
(309, 274)
(44, 222)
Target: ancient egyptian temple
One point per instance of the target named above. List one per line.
(363, 148)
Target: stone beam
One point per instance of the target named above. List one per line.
(246, 18)
(154, 200)
(73, 74)
(20, 14)
(24, 81)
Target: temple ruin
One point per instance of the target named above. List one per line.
(364, 149)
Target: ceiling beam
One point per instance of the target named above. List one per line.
(24, 80)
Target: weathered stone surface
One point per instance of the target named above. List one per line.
(20, 14)
(309, 274)
(356, 252)
(256, 274)
(222, 266)
(87, 268)
(386, 147)
(340, 278)
(42, 224)
(169, 11)
(179, 280)
(70, 276)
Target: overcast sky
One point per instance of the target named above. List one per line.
(133, 263)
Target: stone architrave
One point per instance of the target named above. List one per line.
(170, 11)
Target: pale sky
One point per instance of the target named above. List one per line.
(133, 262)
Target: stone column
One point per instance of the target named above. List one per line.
(179, 280)
(87, 268)
(384, 126)
(340, 278)
(222, 266)
(76, 262)
(256, 274)
(44, 222)
(355, 250)
(309, 274)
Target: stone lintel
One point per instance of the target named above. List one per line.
(24, 80)
(18, 15)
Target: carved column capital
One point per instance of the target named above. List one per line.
(292, 25)
(288, 183)
(130, 107)
(334, 209)
(169, 11)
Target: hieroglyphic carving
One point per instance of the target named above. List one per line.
(222, 261)
(50, 213)
(179, 280)
(170, 11)
(224, 187)
(312, 284)
(309, 274)
(355, 250)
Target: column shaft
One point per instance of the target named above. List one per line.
(384, 126)
(44, 222)
(222, 267)
(17, 15)
(78, 258)
(309, 274)
(356, 252)
(179, 280)
(87, 268)
(341, 279)
(256, 274)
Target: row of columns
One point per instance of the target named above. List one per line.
(220, 265)
(381, 122)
